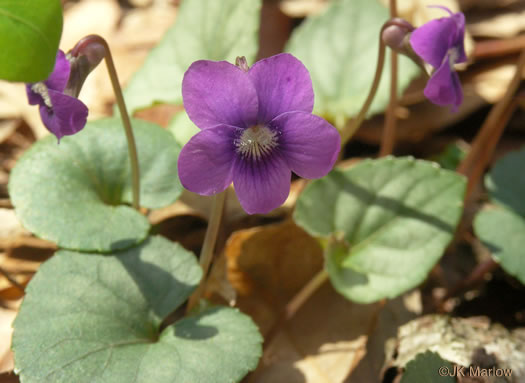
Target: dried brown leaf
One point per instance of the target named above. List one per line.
(272, 262)
(323, 343)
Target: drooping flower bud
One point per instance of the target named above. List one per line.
(396, 34)
(84, 58)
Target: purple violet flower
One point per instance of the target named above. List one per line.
(256, 127)
(440, 43)
(61, 114)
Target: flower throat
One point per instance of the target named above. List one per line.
(256, 141)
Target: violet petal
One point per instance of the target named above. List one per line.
(444, 88)
(432, 40)
(309, 144)
(217, 92)
(205, 163)
(68, 115)
(283, 84)
(261, 185)
(32, 97)
(58, 79)
(456, 83)
(459, 39)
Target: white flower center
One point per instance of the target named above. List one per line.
(256, 141)
(41, 89)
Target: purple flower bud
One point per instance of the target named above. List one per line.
(440, 44)
(395, 33)
(84, 57)
(256, 127)
(61, 114)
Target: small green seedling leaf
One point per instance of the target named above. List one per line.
(101, 323)
(428, 367)
(451, 156)
(77, 193)
(29, 35)
(394, 217)
(340, 48)
(204, 30)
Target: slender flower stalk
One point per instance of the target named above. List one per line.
(305, 293)
(389, 131)
(208, 247)
(354, 124)
(299, 299)
(86, 47)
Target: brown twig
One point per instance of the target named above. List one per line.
(475, 277)
(488, 136)
(498, 48)
(476, 162)
(11, 280)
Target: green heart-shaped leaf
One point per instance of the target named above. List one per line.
(506, 182)
(204, 30)
(395, 217)
(339, 48)
(502, 228)
(73, 193)
(29, 35)
(95, 318)
(503, 231)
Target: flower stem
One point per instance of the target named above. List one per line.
(389, 130)
(83, 47)
(299, 299)
(305, 293)
(288, 313)
(208, 246)
(490, 133)
(353, 125)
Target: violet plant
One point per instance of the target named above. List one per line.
(102, 308)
